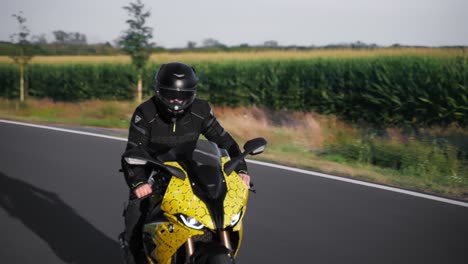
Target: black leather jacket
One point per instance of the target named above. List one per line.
(157, 134)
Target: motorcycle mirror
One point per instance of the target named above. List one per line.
(255, 146)
(138, 156)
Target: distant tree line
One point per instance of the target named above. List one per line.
(64, 43)
(75, 43)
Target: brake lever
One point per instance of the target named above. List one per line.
(151, 181)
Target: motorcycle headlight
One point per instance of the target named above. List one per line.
(191, 222)
(236, 218)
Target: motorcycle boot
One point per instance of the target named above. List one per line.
(127, 256)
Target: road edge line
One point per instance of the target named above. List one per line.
(364, 183)
(317, 174)
(62, 130)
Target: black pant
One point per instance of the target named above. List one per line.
(134, 216)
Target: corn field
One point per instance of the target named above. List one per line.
(383, 90)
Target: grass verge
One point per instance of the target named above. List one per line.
(433, 160)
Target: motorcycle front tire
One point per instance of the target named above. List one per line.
(212, 259)
(220, 259)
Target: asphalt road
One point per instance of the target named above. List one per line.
(61, 199)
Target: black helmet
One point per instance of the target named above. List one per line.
(175, 86)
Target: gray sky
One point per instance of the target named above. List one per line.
(232, 22)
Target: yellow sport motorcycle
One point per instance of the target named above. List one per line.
(198, 216)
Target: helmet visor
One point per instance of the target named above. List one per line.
(176, 99)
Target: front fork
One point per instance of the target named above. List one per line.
(189, 247)
(225, 241)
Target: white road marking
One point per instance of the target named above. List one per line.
(62, 130)
(373, 185)
(317, 174)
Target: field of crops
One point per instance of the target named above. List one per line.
(381, 86)
(192, 57)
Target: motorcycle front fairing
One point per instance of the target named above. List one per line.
(199, 206)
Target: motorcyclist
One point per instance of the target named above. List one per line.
(171, 117)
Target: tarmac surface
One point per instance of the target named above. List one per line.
(61, 199)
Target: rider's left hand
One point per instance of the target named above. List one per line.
(143, 190)
(245, 178)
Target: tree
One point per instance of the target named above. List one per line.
(69, 38)
(23, 52)
(136, 40)
(270, 44)
(60, 36)
(212, 43)
(191, 44)
(39, 39)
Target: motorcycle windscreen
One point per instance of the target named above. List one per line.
(207, 153)
(207, 169)
(208, 176)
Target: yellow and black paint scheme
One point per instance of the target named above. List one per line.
(179, 198)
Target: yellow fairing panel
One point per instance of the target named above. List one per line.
(168, 240)
(236, 199)
(180, 199)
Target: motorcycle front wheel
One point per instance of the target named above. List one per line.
(220, 259)
(203, 258)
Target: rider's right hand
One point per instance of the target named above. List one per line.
(143, 190)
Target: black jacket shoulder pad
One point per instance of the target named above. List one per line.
(201, 109)
(148, 109)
